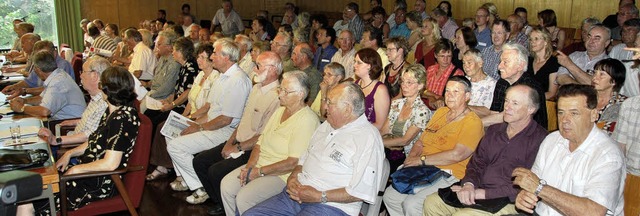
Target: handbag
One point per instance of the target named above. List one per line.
(12, 159)
(489, 205)
(405, 180)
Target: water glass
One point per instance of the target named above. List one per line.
(15, 133)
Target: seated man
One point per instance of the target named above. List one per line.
(102, 45)
(513, 143)
(166, 69)
(575, 66)
(579, 170)
(61, 98)
(90, 119)
(346, 54)
(142, 59)
(213, 164)
(334, 179)
(16, 53)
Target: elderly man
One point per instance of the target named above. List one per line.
(142, 61)
(166, 69)
(213, 164)
(517, 34)
(447, 25)
(400, 28)
(346, 54)
(325, 37)
(513, 65)
(187, 24)
(372, 38)
(579, 46)
(574, 66)
(506, 146)
(354, 23)
(203, 35)
(228, 19)
(420, 7)
(630, 31)
(194, 34)
(245, 63)
(289, 18)
(27, 39)
(302, 57)
(86, 39)
(334, 179)
(626, 135)
(625, 12)
(102, 45)
(228, 96)
(20, 29)
(32, 84)
(579, 170)
(88, 123)
(491, 54)
(282, 44)
(61, 98)
(483, 30)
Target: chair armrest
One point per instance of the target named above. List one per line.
(65, 178)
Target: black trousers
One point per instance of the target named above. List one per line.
(211, 168)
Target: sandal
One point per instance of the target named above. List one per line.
(156, 174)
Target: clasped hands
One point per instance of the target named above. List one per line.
(302, 193)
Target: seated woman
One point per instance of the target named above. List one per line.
(397, 50)
(450, 138)
(438, 74)
(197, 106)
(107, 149)
(262, 30)
(465, 39)
(608, 78)
(414, 23)
(548, 20)
(368, 68)
(543, 65)
(408, 117)
(276, 153)
(482, 86)
(333, 74)
(423, 52)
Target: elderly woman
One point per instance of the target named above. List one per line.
(107, 149)
(543, 65)
(424, 51)
(397, 50)
(465, 39)
(183, 54)
(197, 105)
(547, 19)
(414, 23)
(333, 74)
(608, 78)
(122, 55)
(368, 68)
(482, 86)
(408, 116)
(272, 159)
(438, 74)
(450, 138)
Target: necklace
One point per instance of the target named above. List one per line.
(367, 84)
(432, 130)
(454, 118)
(399, 66)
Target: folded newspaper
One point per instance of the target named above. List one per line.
(175, 124)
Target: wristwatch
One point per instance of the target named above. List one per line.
(541, 184)
(422, 158)
(260, 172)
(323, 199)
(59, 140)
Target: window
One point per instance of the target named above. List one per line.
(40, 13)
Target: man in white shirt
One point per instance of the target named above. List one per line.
(579, 170)
(346, 54)
(143, 61)
(341, 168)
(245, 62)
(228, 19)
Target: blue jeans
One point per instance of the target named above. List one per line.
(281, 204)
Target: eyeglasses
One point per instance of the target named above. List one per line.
(408, 83)
(591, 72)
(283, 90)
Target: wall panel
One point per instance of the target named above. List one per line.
(132, 12)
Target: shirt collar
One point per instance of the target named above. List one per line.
(269, 87)
(233, 70)
(51, 76)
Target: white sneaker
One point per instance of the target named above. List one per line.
(198, 196)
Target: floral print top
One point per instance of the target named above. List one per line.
(420, 115)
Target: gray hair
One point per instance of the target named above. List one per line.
(171, 37)
(305, 50)
(274, 59)
(288, 41)
(44, 45)
(336, 68)
(229, 49)
(591, 20)
(353, 95)
(45, 61)
(33, 37)
(301, 79)
(634, 9)
(475, 53)
(607, 30)
(521, 53)
(303, 19)
(244, 40)
(133, 34)
(533, 96)
(98, 64)
(301, 34)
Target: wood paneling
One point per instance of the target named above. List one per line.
(126, 13)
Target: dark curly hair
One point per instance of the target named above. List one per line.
(118, 84)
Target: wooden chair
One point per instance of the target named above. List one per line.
(130, 190)
(76, 63)
(552, 117)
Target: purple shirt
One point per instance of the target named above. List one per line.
(497, 156)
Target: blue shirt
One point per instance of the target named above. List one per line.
(33, 81)
(484, 38)
(400, 30)
(322, 57)
(62, 96)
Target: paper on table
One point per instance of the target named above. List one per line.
(5, 109)
(24, 131)
(153, 104)
(23, 141)
(11, 74)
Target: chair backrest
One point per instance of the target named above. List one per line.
(374, 209)
(76, 63)
(134, 181)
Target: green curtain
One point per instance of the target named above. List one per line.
(68, 18)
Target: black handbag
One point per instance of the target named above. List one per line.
(12, 159)
(489, 205)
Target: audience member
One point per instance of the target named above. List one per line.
(21, 29)
(506, 146)
(194, 34)
(367, 69)
(587, 23)
(318, 21)
(425, 50)
(102, 45)
(419, 7)
(166, 69)
(228, 19)
(142, 59)
(500, 31)
(446, 7)
(325, 38)
(378, 21)
(483, 29)
(465, 40)
(482, 86)
(439, 73)
(111, 31)
(399, 27)
(625, 12)
(282, 44)
(552, 186)
(372, 38)
(517, 33)
(351, 18)
(333, 74)
(522, 13)
(245, 63)
(414, 24)
(346, 53)
(187, 24)
(302, 58)
(397, 51)
(608, 78)
(261, 30)
(574, 66)
(547, 19)
(543, 65)
(447, 25)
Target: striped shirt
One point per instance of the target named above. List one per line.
(491, 59)
(91, 116)
(627, 130)
(105, 43)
